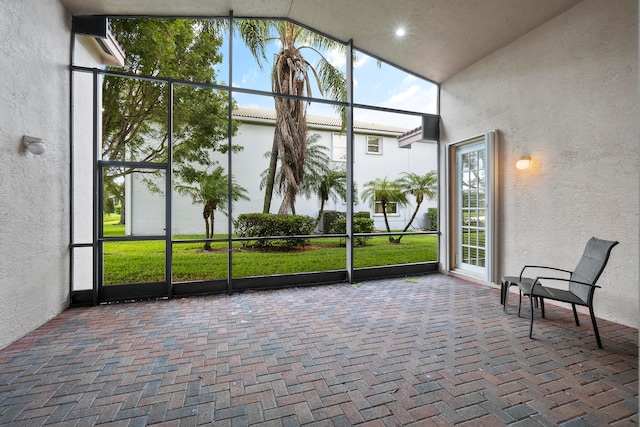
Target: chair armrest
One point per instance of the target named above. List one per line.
(537, 281)
(543, 267)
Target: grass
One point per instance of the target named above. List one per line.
(143, 261)
(111, 225)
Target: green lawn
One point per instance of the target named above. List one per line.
(111, 225)
(143, 261)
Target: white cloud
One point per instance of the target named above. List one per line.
(414, 98)
(339, 59)
(249, 77)
(403, 97)
(383, 118)
(361, 61)
(409, 79)
(336, 58)
(415, 95)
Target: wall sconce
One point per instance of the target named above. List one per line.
(34, 145)
(523, 163)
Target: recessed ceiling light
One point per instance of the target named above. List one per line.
(400, 32)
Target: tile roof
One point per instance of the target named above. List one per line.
(258, 113)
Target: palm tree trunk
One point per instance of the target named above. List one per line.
(288, 202)
(386, 221)
(320, 212)
(212, 218)
(415, 212)
(205, 215)
(271, 175)
(291, 128)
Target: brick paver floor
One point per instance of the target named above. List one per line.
(428, 350)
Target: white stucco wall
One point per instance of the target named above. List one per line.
(145, 212)
(85, 55)
(34, 213)
(565, 94)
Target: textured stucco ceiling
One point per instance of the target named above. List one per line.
(443, 36)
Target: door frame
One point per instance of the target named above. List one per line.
(490, 139)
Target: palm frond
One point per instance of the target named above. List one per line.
(335, 83)
(382, 189)
(255, 34)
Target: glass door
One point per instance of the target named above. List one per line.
(474, 206)
(472, 211)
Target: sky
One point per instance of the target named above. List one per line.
(378, 84)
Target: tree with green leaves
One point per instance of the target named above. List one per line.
(320, 178)
(135, 111)
(421, 187)
(292, 75)
(210, 189)
(386, 193)
(331, 184)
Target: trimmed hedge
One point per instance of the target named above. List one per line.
(360, 225)
(265, 225)
(432, 219)
(330, 217)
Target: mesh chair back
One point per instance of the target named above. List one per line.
(590, 267)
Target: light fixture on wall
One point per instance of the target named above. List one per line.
(34, 145)
(523, 163)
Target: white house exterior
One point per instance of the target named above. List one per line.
(377, 155)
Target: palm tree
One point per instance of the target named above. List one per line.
(315, 164)
(315, 161)
(320, 179)
(385, 192)
(211, 190)
(421, 187)
(331, 184)
(292, 75)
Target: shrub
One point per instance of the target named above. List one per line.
(109, 206)
(329, 218)
(360, 225)
(432, 218)
(265, 225)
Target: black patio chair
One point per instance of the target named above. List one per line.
(582, 282)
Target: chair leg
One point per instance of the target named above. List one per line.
(595, 326)
(519, 301)
(575, 314)
(542, 306)
(506, 297)
(531, 324)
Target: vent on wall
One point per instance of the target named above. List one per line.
(96, 26)
(429, 131)
(95, 29)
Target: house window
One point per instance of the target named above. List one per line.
(392, 208)
(374, 145)
(339, 147)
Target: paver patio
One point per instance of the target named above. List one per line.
(428, 350)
